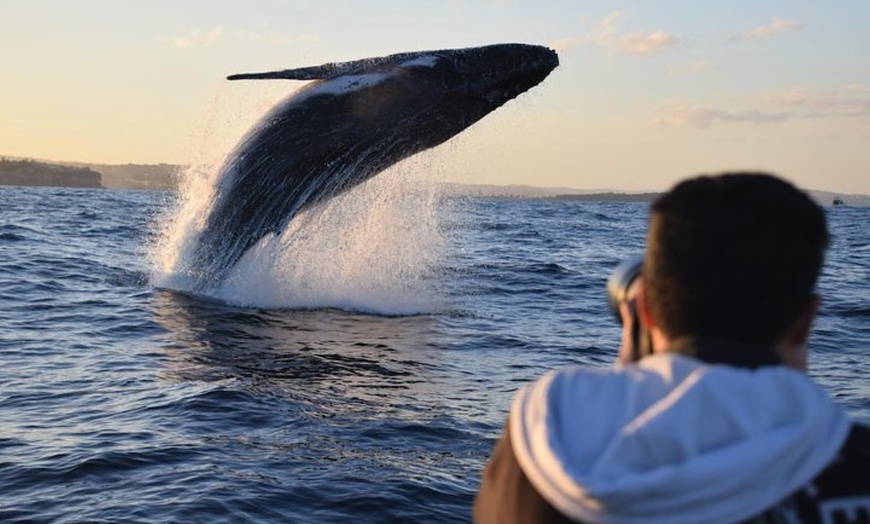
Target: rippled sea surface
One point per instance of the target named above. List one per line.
(122, 402)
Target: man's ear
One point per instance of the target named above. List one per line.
(659, 340)
(644, 314)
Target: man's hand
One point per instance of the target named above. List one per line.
(635, 340)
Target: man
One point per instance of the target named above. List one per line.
(720, 423)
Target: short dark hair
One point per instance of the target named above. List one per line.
(733, 257)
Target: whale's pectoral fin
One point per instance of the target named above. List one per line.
(320, 72)
(302, 73)
(332, 69)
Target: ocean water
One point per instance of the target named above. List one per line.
(359, 371)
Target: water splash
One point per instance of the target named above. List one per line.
(373, 249)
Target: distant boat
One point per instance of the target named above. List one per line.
(838, 202)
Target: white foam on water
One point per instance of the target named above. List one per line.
(234, 108)
(373, 249)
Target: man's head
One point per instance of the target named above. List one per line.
(733, 257)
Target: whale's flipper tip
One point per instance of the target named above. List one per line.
(273, 75)
(302, 73)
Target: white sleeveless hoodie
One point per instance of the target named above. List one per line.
(673, 440)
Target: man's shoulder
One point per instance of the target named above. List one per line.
(848, 474)
(858, 443)
(841, 493)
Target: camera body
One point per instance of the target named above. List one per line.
(620, 282)
(618, 289)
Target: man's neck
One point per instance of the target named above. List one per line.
(739, 354)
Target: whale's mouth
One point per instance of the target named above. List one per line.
(514, 74)
(493, 75)
(506, 60)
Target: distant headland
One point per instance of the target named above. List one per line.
(32, 173)
(165, 177)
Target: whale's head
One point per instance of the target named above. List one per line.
(464, 85)
(441, 91)
(491, 75)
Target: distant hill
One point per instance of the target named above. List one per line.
(824, 198)
(138, 176)
(554, 193)
(32, 173)
(167, 176)
(115, 176)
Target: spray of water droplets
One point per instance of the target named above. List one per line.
(374, 249)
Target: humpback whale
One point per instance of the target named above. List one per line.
(353, 121)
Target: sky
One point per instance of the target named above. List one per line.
(647, 92)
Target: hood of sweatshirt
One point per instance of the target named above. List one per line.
(673, 440)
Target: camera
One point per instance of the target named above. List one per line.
(618, 286)
(620, 282)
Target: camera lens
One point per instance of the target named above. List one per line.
(620, 281)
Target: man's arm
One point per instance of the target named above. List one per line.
(506, 496)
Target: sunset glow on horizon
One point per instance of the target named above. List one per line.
(646, 93)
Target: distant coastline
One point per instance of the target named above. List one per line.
(35, 172)
(166, 177)
(824, 198)
(28, 172)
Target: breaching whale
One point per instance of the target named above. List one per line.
(355, 120)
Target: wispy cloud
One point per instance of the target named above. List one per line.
(604, 32)
(645, 43)
(564, 44)
(606, 35)
(195, 38)
(799, 103)
(686, 115)
(778, 25)
(696, 67)
(849, 101)
(276, 38)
